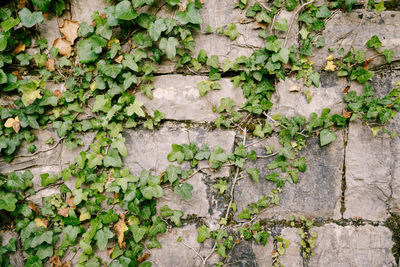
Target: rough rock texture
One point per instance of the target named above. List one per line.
(356, 28)
(178, 97)
(317, 193)
(353, 246)
(292, 257)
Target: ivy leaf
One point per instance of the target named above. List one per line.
(204, 87)
(273, 44)
(190, 15)
(102, 103)
(30, 19)
(112, 159)
(323, 12)
(388, 53)
(173, 2)
(326, 137)
(176, 154)
(169, 46)
(291, 4)
(158, 226)
(204, 153)
(349, 4)
(111, 70)
(245, 214)
(374, 42)
(47, 179)
(42, 5)
(129, 62)
(152, 191)
(124, 11)
(135, 108)
(254, 174)
(138, 232)
(90, 48)
(204, 233)
(29, 92)
(120, 228)
(172, 173)
(185, 191)
(102, 237)
(281, 25)
(7, 201)
(119, 143)
(231, 31)
(362, 75)
(9, 23)
(213, 61)
(300, 164)
(156, 28)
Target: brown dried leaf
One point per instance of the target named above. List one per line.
(55, 261)
(181, 7)
(16, 73)
(70, 203)
(21, 4)
(68, 263)
(13, 123)
(258, 25)
(57, 93)
(120, 228)
(119, 59)
(63, 46)
(70, 30)
(41, 222)
(110, 251)
(20, 47)
(33, 207)
(346, 90)
(143, 258)
(346, 114)
(64, 212)
(50, 64)
(367, 62)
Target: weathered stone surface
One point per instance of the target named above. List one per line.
(178, 97)
(263, 254)
(352, 246)
(149, 149)
(318, 191)
(197, 205)
(356, 28)
(372, 168)
(82, 10)
(175, 253)
(16, 258)
(289, 102)
(49, 29)
(292, 257)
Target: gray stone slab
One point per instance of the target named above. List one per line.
(263, 253)
(149, 149)
(372, 165)
(290, 102)
(177, 96)
(352, 246)
(16, 258)
(175, 253)
(318, 192)
(356, 28)
(292, 257)
(82, 10)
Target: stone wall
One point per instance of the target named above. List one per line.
(351, 187)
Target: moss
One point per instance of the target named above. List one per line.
(393, 223)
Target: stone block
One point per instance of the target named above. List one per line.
(17, 257)
(318, 192)
(290, 102)
(177, 96)
(82, 10)
(356, 28)
(352, 246)
(292, 257)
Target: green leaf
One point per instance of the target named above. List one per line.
(314, 77)
(349, 4)
(124, 11)
(388, 53)
(380, 7)
(138, 232)
(156, 28)
(7, 201)
(9, 23)
(273, 44)
(362, 75)
(374, 42)
(111, 70)
(30, 19)
(281, 25)
(254, 174)
(129, 62)
(217, 158)
(169, 46)
(173, 2)
(172, 173)
(135, 108)
(213, 62)
(176, 154)
(326, 137)
(151, 191)
(204, 153)
(85, 29)
(323, 12)
(90, 48)
(42, 5)
(102, 103)
(190, 15)
(158, 226)
(245, 214)
(119, 143)
(102, 237)
(185, 191)
(112, 159)
(176, 218)
(204, 87)
(47, 179)
(291, 4)
(300, 164)
(231, 31)
(203, 233)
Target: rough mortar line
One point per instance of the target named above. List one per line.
(343, 187)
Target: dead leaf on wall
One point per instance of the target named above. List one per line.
(19, 48)
(50, 64)
(70, 30)
(63, 46)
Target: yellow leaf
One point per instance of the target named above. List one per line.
(330, 57)
(85, 215)
(39, 222)
(29, 97)
(120, 228)
(14, 123)
(9, 122)
(330, 66)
